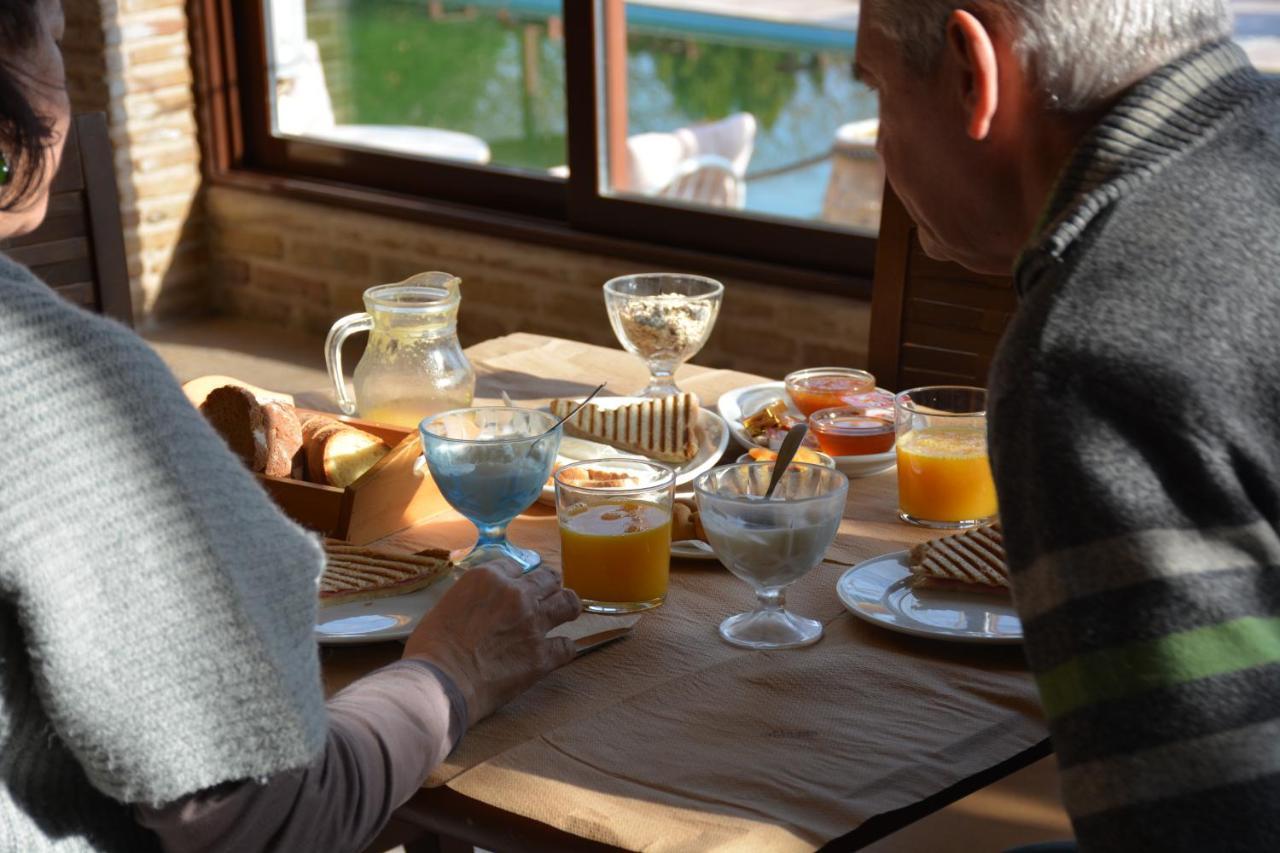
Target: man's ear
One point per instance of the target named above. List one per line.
(974, 55)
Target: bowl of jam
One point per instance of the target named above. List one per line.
(846, 431)
(827, 387)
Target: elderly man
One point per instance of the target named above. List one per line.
(1123, 160)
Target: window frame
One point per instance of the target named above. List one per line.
(232, 74)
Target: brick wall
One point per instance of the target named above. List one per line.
(303, 265)
(131, 60)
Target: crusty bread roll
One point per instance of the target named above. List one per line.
(266, 436)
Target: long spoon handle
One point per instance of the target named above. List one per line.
(578, 407)
(786, 453)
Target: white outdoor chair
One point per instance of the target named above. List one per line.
(303, 108)
(704, 164)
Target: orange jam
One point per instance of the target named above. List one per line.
(617, 553)
(848, 432)
(821, 388)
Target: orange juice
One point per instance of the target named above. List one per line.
(617, 553)
(944, 474)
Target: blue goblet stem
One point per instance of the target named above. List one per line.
(492, 535)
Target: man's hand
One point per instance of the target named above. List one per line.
(488, 633)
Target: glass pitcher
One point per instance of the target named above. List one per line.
(413, 366)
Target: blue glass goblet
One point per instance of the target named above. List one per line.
(491, 464)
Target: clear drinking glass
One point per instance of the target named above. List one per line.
(944, 476)
(615, 534)
(771, 543)
(664, 318)
(491, 465)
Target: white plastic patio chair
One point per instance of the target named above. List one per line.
(703, 164)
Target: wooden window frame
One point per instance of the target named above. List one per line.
(232, 79)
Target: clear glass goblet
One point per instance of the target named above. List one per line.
(490, 464)
(771, 543)
(665, 318)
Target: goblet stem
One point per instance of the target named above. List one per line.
(771, 598)
(491, 535)
(661, 383)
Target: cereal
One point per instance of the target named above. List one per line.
(668, 325)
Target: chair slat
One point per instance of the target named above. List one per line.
(79, 248)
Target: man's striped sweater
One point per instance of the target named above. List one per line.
(1135, 439)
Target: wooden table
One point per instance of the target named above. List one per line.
(438, 816)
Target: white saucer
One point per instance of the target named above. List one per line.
(693, 549)
(877, 590)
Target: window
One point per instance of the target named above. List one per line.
(708, 125)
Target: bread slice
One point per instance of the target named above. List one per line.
(663, 428)
(265, 435)
(340, 454)
(972, 560)
(284, 438)
(235, 414)
(354, 573)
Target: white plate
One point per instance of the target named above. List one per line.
(877, 590)
(752, 398)
(692, 549)
(715, 440)
(379, 619)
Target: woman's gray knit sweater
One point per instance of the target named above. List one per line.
(156, 609)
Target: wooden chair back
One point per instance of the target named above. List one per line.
(79, 248)
(932, 322)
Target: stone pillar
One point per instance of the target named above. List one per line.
(857, 178)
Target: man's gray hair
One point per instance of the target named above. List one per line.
(1080, 52)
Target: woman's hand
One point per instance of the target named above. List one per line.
(488, 633)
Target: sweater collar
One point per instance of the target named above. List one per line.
(1166, 114)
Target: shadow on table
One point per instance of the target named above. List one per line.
(521, 386)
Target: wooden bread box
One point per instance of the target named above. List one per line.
(390, 496)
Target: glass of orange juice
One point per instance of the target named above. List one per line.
(944, 476)
(615, 532)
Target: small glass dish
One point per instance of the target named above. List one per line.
(665, 318)
(826, 387)
(844, 431)
(771, 543)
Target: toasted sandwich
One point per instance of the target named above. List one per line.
(354, 573)
(973, 560)
(663, 428)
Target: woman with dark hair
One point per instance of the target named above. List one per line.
(159, 681)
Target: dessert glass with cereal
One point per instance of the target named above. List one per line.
(665, 318)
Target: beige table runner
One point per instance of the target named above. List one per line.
(673, 740)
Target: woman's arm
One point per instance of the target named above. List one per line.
(484, 643)
(386, 733)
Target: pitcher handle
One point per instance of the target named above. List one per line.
(346, 327)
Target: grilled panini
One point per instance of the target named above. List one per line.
(664, 428)
(971, 560)
(355, 573)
